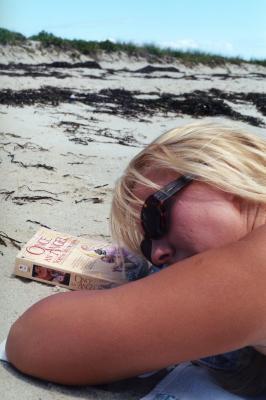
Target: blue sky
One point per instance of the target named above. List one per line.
(228, 27)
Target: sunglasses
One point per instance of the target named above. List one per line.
(156, 211)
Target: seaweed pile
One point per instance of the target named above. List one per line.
(126, 103)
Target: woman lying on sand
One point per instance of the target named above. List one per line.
(195, 199)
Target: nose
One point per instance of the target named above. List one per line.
(162, 252)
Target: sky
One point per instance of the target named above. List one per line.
(226, 27)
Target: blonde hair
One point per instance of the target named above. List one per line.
(223, 156)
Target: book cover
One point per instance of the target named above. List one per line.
(77, 263)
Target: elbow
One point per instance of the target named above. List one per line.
(28, 343)
(43, 345)
(16, 347)
(23, 346)
(25, 352)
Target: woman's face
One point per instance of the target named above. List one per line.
(43, 273)
(202, 217)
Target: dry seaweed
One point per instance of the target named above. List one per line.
(15, 243)
(127, 103)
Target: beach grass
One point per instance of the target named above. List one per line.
(10, 37)
(149, 50)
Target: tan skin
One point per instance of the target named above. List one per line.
(211, 300)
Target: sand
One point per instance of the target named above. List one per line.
(66, 135)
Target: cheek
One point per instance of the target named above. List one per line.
(201, 228)
(185, 226)
(186, 216)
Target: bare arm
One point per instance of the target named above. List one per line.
(211, 303)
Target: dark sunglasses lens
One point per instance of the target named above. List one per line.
(146, 247)
(152, 221)
(155, 219)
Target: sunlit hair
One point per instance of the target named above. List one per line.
(224, 156)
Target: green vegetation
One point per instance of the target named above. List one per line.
(9, 37)
(260, 62)
(149, 51)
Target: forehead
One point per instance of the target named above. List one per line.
(161, 178)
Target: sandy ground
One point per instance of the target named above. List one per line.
(66, 135)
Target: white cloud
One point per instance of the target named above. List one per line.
(181, 44)
(223, 47)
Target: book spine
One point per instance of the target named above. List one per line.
(41, 273)
(57, 277)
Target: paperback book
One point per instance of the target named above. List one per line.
(76, 262)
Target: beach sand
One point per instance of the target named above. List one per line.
(66, 134)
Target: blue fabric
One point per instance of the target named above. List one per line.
(190, 382)
(225, 362)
